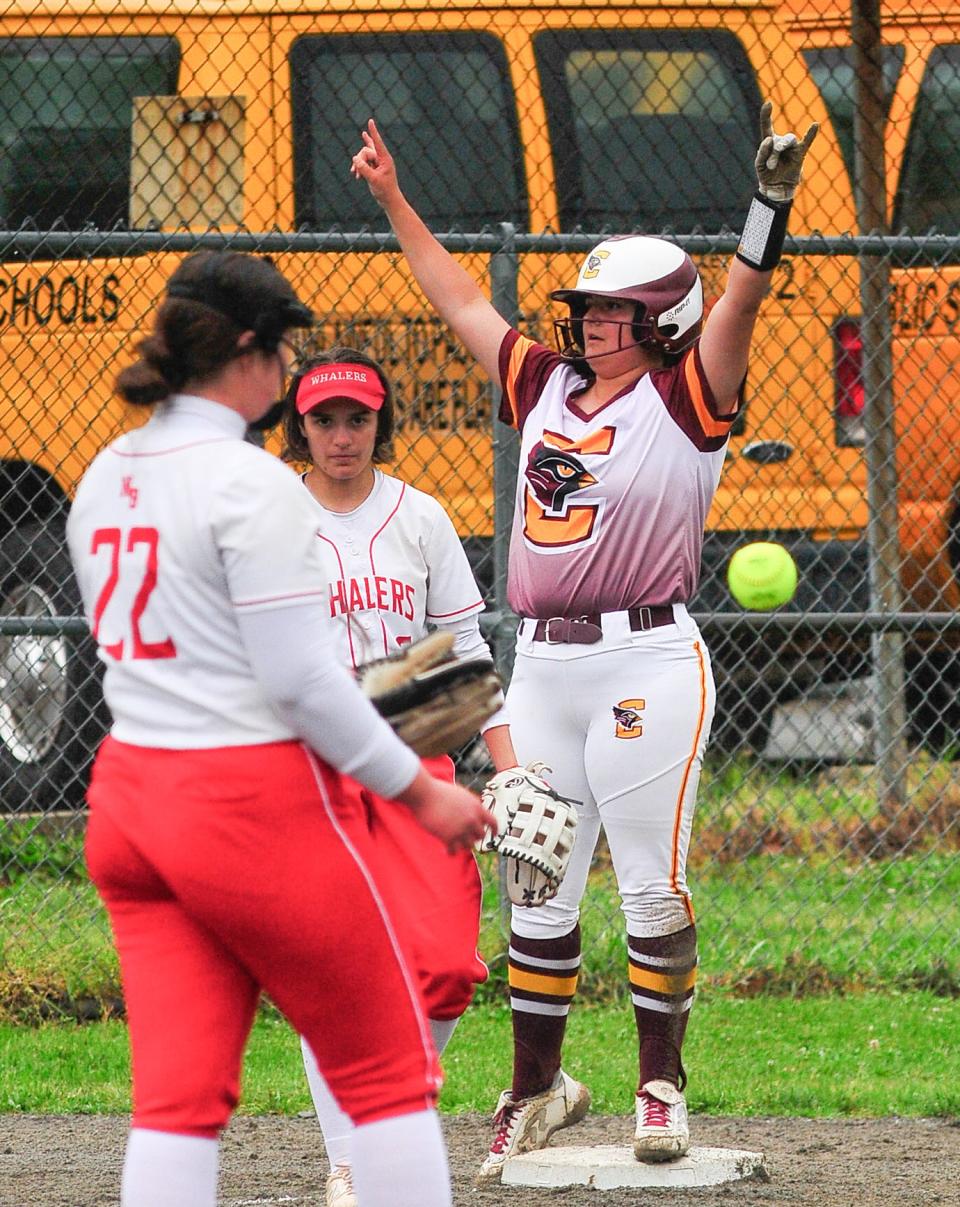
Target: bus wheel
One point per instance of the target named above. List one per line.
(51, 710)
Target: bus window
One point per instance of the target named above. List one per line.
(928, 198)
(444, 102)
(65, 114)
(832, 71)
(651, 130)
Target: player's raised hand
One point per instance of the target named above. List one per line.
(780, 157)
(374, 164)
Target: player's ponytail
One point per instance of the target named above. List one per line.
(144, 383)
(188, 343)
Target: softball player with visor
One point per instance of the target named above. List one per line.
(623, 432)
(394, 568)
(215, 835)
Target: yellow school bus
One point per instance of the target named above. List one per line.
(128, 128)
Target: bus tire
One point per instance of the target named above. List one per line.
(52, 714)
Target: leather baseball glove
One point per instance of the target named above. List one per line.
(536, 829)
(433, 702)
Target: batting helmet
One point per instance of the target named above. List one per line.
(656, 274)
(248, 290)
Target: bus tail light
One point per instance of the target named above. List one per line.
(848, 381)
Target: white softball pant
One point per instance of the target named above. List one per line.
(623, 724)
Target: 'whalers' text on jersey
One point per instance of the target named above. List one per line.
(392, 565)
(611, 507)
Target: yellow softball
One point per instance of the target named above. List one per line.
(762, 575)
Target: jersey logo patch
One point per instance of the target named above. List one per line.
(128, 491)
(554, 473)
(554, 476)
(628, 717)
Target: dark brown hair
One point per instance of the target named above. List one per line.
(210, 300)
(295, 441)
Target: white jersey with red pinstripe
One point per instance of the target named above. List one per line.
(611, 506)
(392, 567)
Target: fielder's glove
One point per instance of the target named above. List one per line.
(536, 827)
(780, 157)
(434, 703)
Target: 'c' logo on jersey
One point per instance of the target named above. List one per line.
(628, 716)
(554, 474)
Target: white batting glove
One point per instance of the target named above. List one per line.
(780, 157)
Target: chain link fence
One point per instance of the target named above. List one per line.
(825, 851)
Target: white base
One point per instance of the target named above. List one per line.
(607, 1167)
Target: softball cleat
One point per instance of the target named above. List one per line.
(662, 1129)
(527, 1124)
(340, 1192)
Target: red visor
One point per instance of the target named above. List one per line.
(358, 383)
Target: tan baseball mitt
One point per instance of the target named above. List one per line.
(434, 702)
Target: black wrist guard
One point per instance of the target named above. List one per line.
(761, 243)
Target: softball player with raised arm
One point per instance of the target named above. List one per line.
(215, 836)
(394, 568)
(623, 432)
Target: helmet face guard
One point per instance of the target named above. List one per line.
(568, 335)
(655, 274)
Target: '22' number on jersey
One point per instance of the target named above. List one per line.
(112, 539)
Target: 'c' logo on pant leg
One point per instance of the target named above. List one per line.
(628, 716)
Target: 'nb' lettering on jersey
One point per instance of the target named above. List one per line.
(377, 593)
(554, 474)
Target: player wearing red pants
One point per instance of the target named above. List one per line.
(394, 568)
(216, 836)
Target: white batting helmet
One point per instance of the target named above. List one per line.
(656, 274)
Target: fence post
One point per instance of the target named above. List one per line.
(883, 524)
(504, 270)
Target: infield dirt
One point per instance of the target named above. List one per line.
(74, 1161)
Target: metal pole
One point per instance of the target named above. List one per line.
(504, 270)
(726, 622)
(883, 525)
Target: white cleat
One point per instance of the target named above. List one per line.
(662, 1129)
(527, 1124)
(340, 1192)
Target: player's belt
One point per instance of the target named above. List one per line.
(588, 629)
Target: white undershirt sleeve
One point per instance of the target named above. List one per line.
(294, 660)
(468, 644)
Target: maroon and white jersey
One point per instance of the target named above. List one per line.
(392, 565)
(210, 526)
(611, 507)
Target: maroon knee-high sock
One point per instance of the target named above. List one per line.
(543, 979)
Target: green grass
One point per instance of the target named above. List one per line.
(864, 1055)
(769, 924)
(800, 887)
(779, 924)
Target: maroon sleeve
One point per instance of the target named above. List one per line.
(525, 367)
(687, 396)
